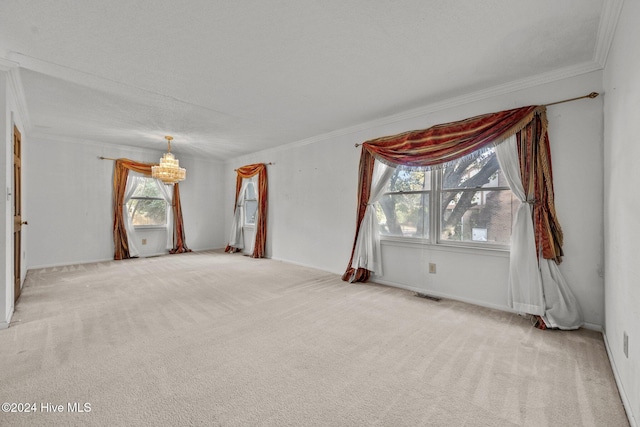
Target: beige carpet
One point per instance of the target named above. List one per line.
(216, 339)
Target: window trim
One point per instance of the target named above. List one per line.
(151, 226)
(435, 216)
(245, 199)
(414, 243)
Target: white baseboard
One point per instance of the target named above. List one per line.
(302, 264)
(5, 323)
(592, 327)
(65, 264)
(68, 263)
(445, 295)
(623, 395)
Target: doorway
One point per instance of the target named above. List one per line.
(17, 213)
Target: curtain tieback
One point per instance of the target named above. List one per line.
(531, 202)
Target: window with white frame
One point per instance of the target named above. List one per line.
(466, 202)
(403, 210)
(250, 204)
(147, 207)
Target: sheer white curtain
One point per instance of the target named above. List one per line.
(167, 194)
(254, 181)
(132, 184)
(367, 249)
(536, 285)
(236, 239)
(562, 308)
(525, 284)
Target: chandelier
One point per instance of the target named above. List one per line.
(169, 170)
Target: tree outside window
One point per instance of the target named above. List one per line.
(147, 207)
(470, 197)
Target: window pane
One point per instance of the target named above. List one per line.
(250, 210)
(250, 192)
(404, 215)
(409, 180)
(147, 211)
(478, 216)
(480, 172)
(147, 187)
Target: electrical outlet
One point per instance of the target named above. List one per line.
(432, 268)
(625, 344)
(144, 241)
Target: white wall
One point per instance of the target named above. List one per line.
(622, 205)
(201, 195)
(313, 186)
(70, 198)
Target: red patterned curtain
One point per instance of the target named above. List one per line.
(537, 179)
(179, 244)
(120, 240)
(249, 171)
(450, 141)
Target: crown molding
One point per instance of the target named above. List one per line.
(15, 83)
(44, 137)
(96, 82)
(609, 16)
(15, 86)
(7, 65)
(75, 76)
(506, 88)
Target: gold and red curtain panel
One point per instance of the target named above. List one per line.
(120, 239)
(249, 171)
(450, 141)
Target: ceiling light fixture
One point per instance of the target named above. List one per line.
(169, 170)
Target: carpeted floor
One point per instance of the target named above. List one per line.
(215, 339)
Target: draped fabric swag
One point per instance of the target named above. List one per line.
(448, 142)
(120, 240)
(179, 244)
(246, 172)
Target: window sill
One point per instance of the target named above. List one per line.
(149, 227)
(424, 244)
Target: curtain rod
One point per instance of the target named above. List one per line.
(270, 163)
(110, 158)
(591, 95)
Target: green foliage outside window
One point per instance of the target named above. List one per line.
(147, 206)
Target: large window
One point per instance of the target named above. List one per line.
(467, 202)
(147, 207)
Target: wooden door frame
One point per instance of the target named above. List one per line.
(17, 213)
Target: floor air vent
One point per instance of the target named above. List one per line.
(431, 297)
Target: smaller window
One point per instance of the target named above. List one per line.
(250, 204)
(147, 207)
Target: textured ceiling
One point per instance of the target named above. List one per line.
(232, 77)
